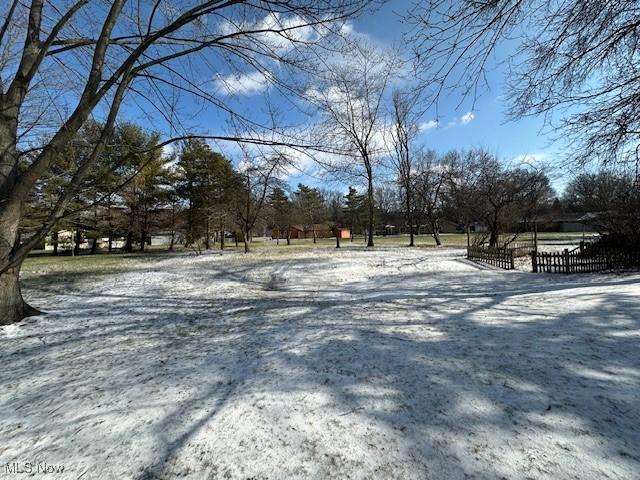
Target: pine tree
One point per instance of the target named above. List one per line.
(280, 207)
(310, 204)
(207, 181)
(354, 208)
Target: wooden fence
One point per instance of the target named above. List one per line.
(503, 258)
(580, 260)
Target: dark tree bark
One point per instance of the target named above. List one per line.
(76, 247)
(14, 306)
(128, 244)
(370, 207)
(143, 240)
(435, 228)
(54, 241)
(410, 220)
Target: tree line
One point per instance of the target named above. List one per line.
(197, 197)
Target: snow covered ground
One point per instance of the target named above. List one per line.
(392, 363)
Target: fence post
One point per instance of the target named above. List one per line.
(513, 265)
(566, 261)
(534, 261)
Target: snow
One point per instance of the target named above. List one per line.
(392, 363)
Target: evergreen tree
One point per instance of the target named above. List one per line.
(141, 169)
(310, 205)
(281, 209)
(354, 208)
(206, 182)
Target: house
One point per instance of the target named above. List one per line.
(322, 230)
(474, 227)
(295, 231)
(446, 226)
(164, 238)
(575, 222)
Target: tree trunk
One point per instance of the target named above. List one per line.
(76, 247)
(436, 237)
(110, 224)
(409, 218)
(371, 211)
(13, 308)
(143, 240)
(288, 236)
(173, 227)
(207, 240)
(493, 239)
(54, 241)
(247, 240)
(94, 246)
(128, 245)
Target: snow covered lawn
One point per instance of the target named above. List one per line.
(391, 363)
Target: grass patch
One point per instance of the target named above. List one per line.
(45, 270)
(50, 271)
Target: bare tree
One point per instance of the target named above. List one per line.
(64, 61)
(503, 199)
(351, 99)
(612, 201)
(576, 59)
(428, 185)
(404, 130)
(258, 176)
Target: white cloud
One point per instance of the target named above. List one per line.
(467, 117)
(243, 84)
(461, 121)
(276, 31)
(429, 125)
(347, 29)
